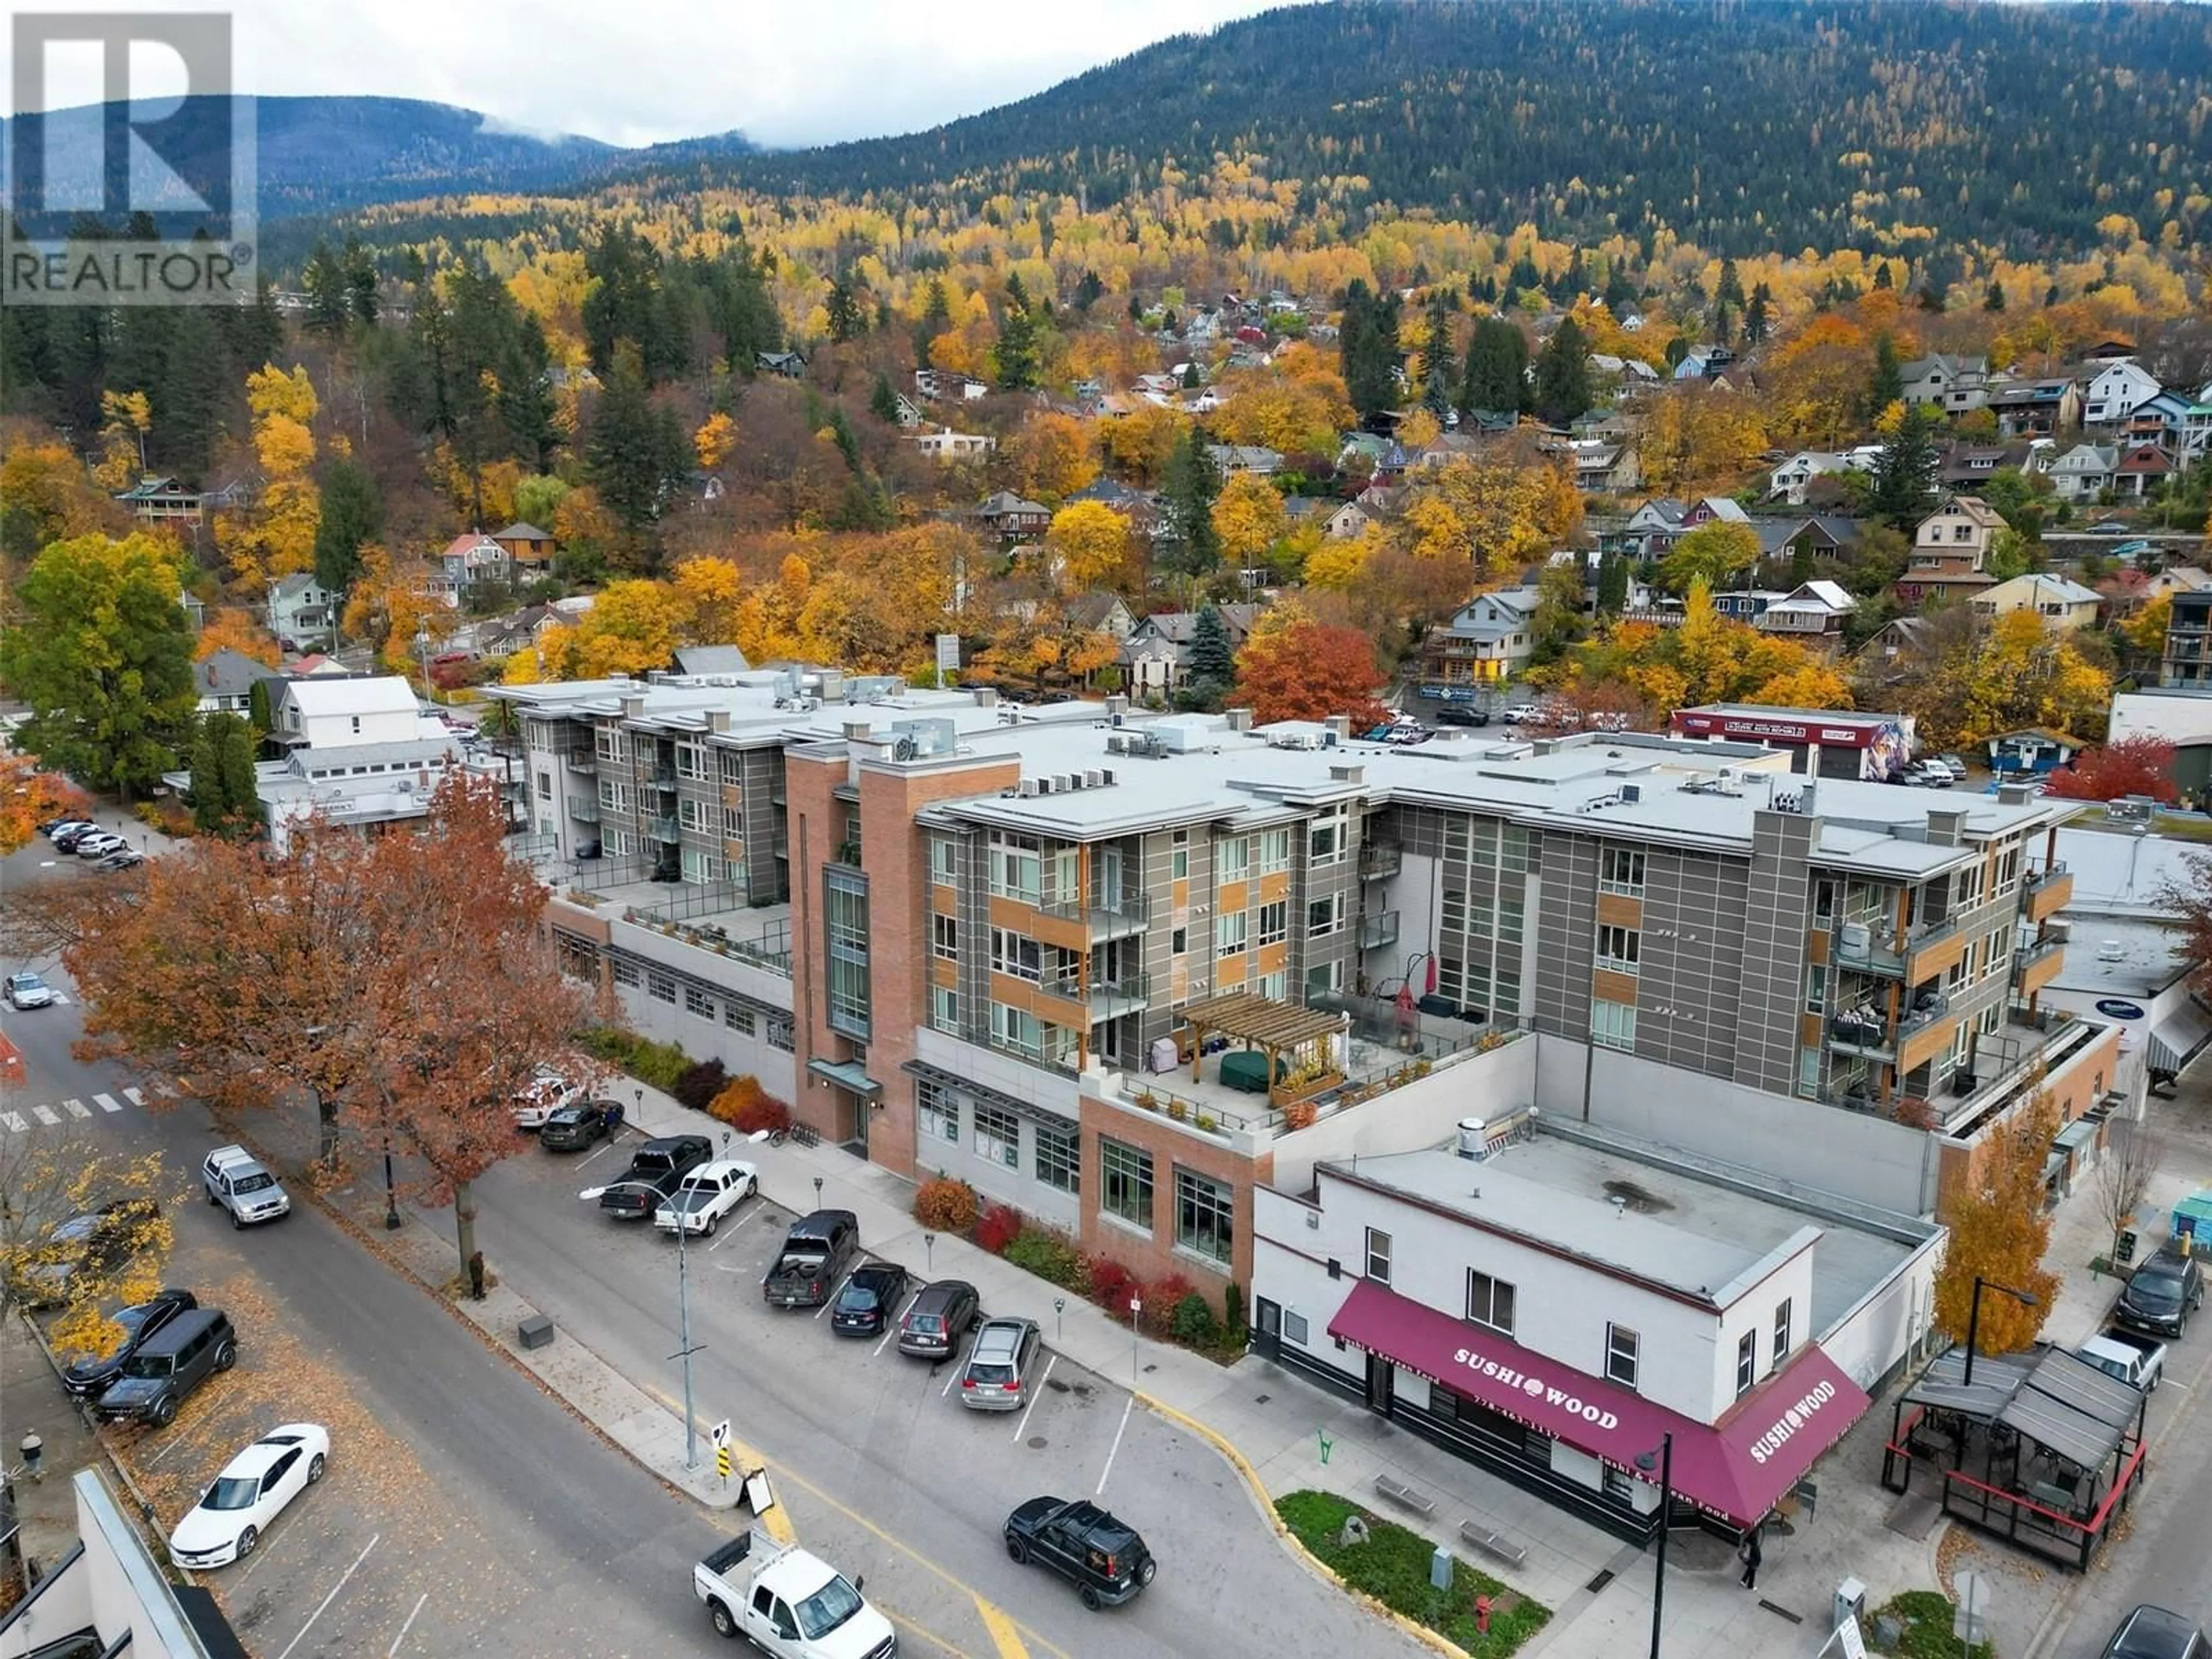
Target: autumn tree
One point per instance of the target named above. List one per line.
(52, 1179)
(1141, 444)
(1249, 519)
(1294, 667)
(391, 607)
(2138, 764)
(2146, 630)
(1051, 457)
(278, 538)
(1093, 546)
(46, 495)
(1999, 1231)
(1714, 553)
(233, 629)
(99, 650)
(29, 797)
(1696, 436)
(707, 592)
(632, 628)
(1491, 513)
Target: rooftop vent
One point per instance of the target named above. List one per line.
(1627, 1193)
(2112, 950)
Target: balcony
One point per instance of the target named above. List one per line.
(664, 778)
(662, 830)
(582, 760)
(1128, 914)
(1860, 1031)
(2037, 965)
(1119, 994)
(1380, 860)
(1375, 932)
(1924, 1033)
(1864, 945)
(584, 810)
(846, 853)
(2049, 890)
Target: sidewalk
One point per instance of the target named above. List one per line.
(32, 1401)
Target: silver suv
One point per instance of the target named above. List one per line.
(1001, 1367)
(236, 1181)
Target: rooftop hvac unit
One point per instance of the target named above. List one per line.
(1106, 778)
(1032, 787)
(1061, 783)
(2112, 950)
(1631, 793)
(1092, 780)
(2057, 930)
(1117, 743)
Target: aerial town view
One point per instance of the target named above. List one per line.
(1379, 828)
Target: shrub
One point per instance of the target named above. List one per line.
(1049, 1255)
(659, 1064)
(1111, 1284)
(698, 1084)
(1233, 1314)
(1001, 1226)
(749, 1108)
(1193, 1324)
(945, 1206)
(1164, 1296)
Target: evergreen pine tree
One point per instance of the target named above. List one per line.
(1729, 289)
(1089, 291)
(352, 514)
(883, 402)
(1016, 354)
(1188, 485)
(242, 795)
(1755, 319)
(258, 714)
(634, 451)
(209, 805)
(361, 283)
(848, 441)
(1613, 584)
(1563, 376)
(847, 320)
(1994, 299)
(1497, 368)
(1905, 472)
(1882, 277)
(1368, 347)
(1212, 663)
(1438, 360)
(330, 301)
(1888, 386)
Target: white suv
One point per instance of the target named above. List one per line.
(236, 1181)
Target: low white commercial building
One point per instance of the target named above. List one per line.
(1553, 1300)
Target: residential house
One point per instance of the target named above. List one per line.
(2113, 389)
(1951, 385)
(1102, 613)
(1967, 465)
(907, 413)
(1787, 482)
(2084, 472)
(1738, 378)
(2032, 750)
(1444, 449)
(1141, 507)
(1811, 612)
(2063, 605)
(1204, 401)
(528, 549)
(1230, 460)
(225, 680)
(1654, 527)
(944, 445)
(467, 561)
(788, 364)
(2179, 424)
(301, 611)
(317, 667)
(2141, 470)
(1820, 537)
(1347, 522)
(1155, 654)
(2109, 351)
(163, 501)
(1490, 641)
(1746, 604)
(1009, 517)
(1951, 551)
(2037, 409)
(1632, 372)
(1605, 469)
(2186, 662)
(2130, 589)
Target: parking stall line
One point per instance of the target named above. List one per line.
(76, 1109)
(954, 1377)
(834, 1295)
(604, 1145)
(1036, 1394)
(734, 1225)
(331, 1597)
(390, 1652)
(107, 1102)
(46, 1115)
(1106, 1474)
(889, 1331)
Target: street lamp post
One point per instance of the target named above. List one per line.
(1974, 1316)
(391, 1195)
(1665, 1463)
(683, 1322)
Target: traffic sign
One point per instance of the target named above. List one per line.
(719, 1434)
(722, 1461)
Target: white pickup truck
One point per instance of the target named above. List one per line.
(2137, 1361)
(789, 1603)
(707, 1195)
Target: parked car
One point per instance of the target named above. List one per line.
(706, 1196)
(69, 830)
(1002, 1365)
(2161, 1294)
(870, 1300)
(168, 1368)
(27, 990)
(938, 1318)
(1453, 714)
(254, 1489)
(1103, 1557)
(2154, 1633)
(579, 1123)
(128, 859)
(93, 1242)
(816, 1254)
(99, 845)
(236, 1181)
(2137, 1361)
(655, 1169)
(546, 1093)
(87, 1378)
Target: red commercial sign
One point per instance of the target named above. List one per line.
(1753, 728)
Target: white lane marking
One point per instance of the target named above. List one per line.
(16, 1122)
(1022, 1427)
(107, 1102)
(603, 1146)
(76, 1109)
(1106, 1472)
(951, 1359)
(327, 1600)
(136, 1096)
(833, 1297)
(391, 1650)
(738, 1222)
(154, 1462)
(46, 1115)
(889, 1331)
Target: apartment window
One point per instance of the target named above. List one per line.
(1179, 941)
(845, 925)
(1965, 886)
(1746, 1363)
(1325, 837)
(1620, 1345)
(701, 869)
(1378, 1256)
(2007, 869)
(1816, 989)
(545, 786)
(614, 796)
(610, 744)
(939, 1112)
(1059, 1157)
(691, 762)
(1275, 922)
(1809, 1073)
(1014, 955)
(1273, 986)
(1232, 859)
(1017, 1031)
(781, 1036)
(696, 1002)
(1125, 1175)
(660, 986)
(1274, 851)
(739, 1017)
(998, 1135)
(1325, 916)
(1179, 860)
(692, 815)
(625, 973)
(1781, 1333)
(1613, 1024)
(733, 823)
(1489, 1302)
(1206, 1217)
(1618, 948)
(1997, 953)
(1294, 1327)
(1231, 934)
(944, 861)
(1823, 898)
(944, 937)
(945, 1010)
(1620, 870)
(1017, 867)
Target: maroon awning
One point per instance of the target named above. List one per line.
(1736, 1468)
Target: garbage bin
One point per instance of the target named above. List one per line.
(1850, 1603)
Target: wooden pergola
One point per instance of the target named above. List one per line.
(1277, 1029)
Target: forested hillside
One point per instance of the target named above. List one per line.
(1738, 127)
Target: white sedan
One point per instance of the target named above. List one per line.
(250, 1493)
(543, 1096)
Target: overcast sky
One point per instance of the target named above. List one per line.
(636, 71)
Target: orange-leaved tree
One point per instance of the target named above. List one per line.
(1999, 1232)
(1299, 668)
(2139, 764)
(28, 797)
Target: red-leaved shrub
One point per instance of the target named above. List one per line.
(1111, 1284)
(1164, 1296)
(944, 1205)
(1001, 1226)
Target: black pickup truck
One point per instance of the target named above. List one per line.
(814, 1257)
(655, 1169)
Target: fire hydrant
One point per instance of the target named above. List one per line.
(1482, 1616)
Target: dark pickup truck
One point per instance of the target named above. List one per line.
(656, 1171)
(814, 1257)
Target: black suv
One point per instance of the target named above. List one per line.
(939, 1318)
(2154, 1633)
(2162, 1294)
(168, 1367)
(1104, 1560)
(87, 1378)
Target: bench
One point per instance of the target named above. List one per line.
(1493, 1545)
(536, 1331)
(1404, 1496)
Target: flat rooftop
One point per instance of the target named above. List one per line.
(1674, 1229)
(2120, 957)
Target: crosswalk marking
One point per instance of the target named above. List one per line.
(14, 1123)
(20, 1121)
(46, 1115)
(137, 1098)
(76, 1109)
(109, 1103)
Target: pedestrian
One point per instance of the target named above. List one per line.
(476, 1276)
(1749, 1555)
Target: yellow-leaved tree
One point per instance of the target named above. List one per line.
(1249, 517)
(715, 440)
(633, 627)
(1092, 546)
(1052, 456)
(125, 418)
(2000, 1229)
(392, 608)
(278, 538)
(708, 593)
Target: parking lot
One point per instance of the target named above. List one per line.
(882, 1470)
